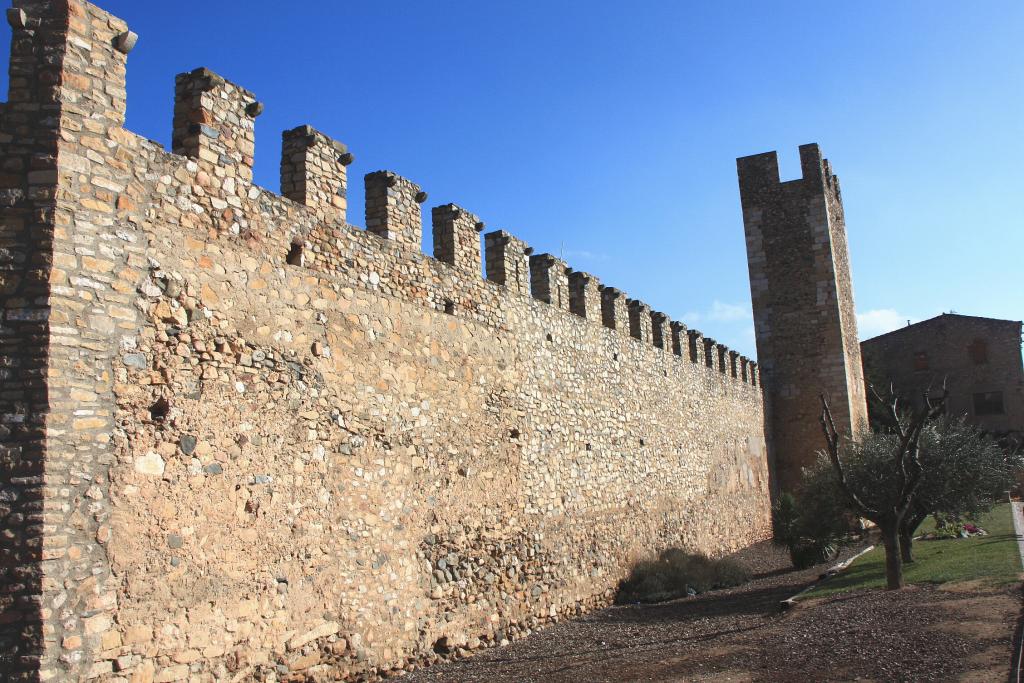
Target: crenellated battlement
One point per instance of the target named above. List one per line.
(214, 124)
(759, 174)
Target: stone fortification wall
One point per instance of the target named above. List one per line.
(242, 438)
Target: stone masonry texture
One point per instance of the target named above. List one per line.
(804, 318)
(241, 439)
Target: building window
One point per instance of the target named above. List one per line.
(988, 403)
(920, 360)
(978, 351)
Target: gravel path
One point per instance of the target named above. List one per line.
(957, 632)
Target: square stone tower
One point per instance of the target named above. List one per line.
(804, 317)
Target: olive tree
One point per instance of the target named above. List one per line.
(964, 473)
(879, 473)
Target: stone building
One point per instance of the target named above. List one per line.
(242, 438)
(804, 317)
(978, 358)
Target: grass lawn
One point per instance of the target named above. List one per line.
(994, 558)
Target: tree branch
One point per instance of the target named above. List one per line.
(832, 440)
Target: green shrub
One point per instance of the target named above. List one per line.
(676, 573)
(811, 524)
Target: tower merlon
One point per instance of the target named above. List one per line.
(660, 333)
(67, 53)
(722, 358)
(585, 295)
(680, 340)
(456, 234)
(313, 170)
(639, 320)
(506, 264)
(613, 310)
(393, 208)
(215, 124)
(710, 352)
(549, 281)
(760, 172)
(695, 342)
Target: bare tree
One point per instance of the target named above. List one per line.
(886, 500)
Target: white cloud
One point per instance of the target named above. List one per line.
(879, 321)
(730, 324)
(728, 312)
(719, 312)
(584, 255)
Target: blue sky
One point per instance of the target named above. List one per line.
(608, 131)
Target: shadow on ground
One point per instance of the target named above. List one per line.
(740, 634)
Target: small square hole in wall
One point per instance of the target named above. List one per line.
(549, 337)
(615, 356)
(295, 257)
(449, 307)
(158, 411)
(642, 442)
(666, 372)
(589, 447)
(513, 433)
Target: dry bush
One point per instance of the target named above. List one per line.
(676, 573)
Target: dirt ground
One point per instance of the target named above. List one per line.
(956, 632)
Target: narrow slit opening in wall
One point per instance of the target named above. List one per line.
(642, 442)
(295, 257)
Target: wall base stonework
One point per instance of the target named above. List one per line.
(277, 444)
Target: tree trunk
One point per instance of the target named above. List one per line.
(906, 544)
(908, 527)
(893, 559)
